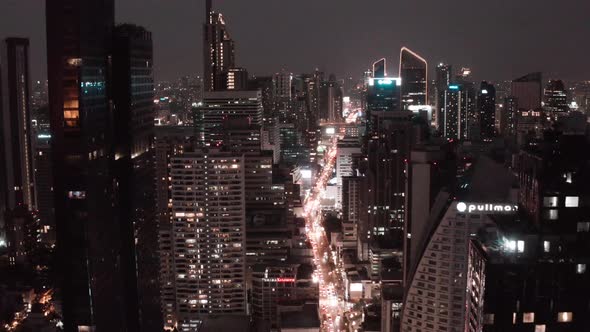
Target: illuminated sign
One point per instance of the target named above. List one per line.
(484, 92)
(385, 81)
(331, 131)
(453, 87)
(488, 208)
(306, 173)
(279, 280)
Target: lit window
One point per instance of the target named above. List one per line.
(580, 268)
(551, 214)
(572, 201)
(540, 328)
(520, 246)
(546, 246)
(583, 227)
(514, 318)
(550, 201)
(76, 194)
(488, 319)
(528, 317)
(564, 317)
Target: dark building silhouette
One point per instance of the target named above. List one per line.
(380, 68)
(17, 148)
(101, 110)
(413, 71)
(330, 100)
(133, 95)
(441, 81)
(486, 106)
(383, 95)
(528, 90)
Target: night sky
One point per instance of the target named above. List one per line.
(498, 39)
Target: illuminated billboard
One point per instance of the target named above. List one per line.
(487, 208)
(385, 81)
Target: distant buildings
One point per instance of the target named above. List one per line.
(486, 106)
(528, 90)
(555, 97)
(330, 100)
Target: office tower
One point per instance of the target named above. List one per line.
(388, 149)
(208, 211)
(508, 117)
(383, 95)
(288, 145)
(486, 106)
(555, 97)
(430, 168)
(18, 178)
(133, 96)
(218, 51)
(78, 43)
(237, 79)
(22, 235)
(456, 114)
(265, 85)
(44, 185)
(347, 157)
(282, 82)
(218, 106)
(413, 71)
(330, 100)
(441, 82)
(528, 89)
(379, 68)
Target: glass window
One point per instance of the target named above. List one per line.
(564, 317)
(572, 201)
(488, 319)
(551, 214)
(580, 268)
(540, 328)
(546, 246)
(550, 201)
(528, 317)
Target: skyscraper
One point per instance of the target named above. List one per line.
(92, 229)
(555, 96)
(133, 95)
(17, 158)
(379, 68)
(456, 112)
(441, 82)
(486, 106)
(218, 51)
(330, 100)
(528, 89)
(413, 71)
(383, 95)
(208, 209)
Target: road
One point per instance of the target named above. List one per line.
(335, 311)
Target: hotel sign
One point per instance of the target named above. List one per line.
(487, 208)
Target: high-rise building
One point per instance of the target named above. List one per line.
(413, 71)
(282, 82)
(330, 100)
(379, 68)
(44, 185)
(218, 106)
(508, 117)
(218, 51)
(555, 97)
(133, 95)
(17, 151)
(456, 113)
(528, 90)
(237, 79)
(265, 85)
(354, 212)
(486, 106)
(383, 95)
(90, 154)
(208, 211)
(441, 82)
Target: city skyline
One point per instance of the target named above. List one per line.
(476, 40)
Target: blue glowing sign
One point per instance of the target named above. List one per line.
(453, 87)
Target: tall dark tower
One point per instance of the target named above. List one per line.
(486, 106)
(15, 125)
(413, 70)
(90, 245)
(218, 48)
(380, 68)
